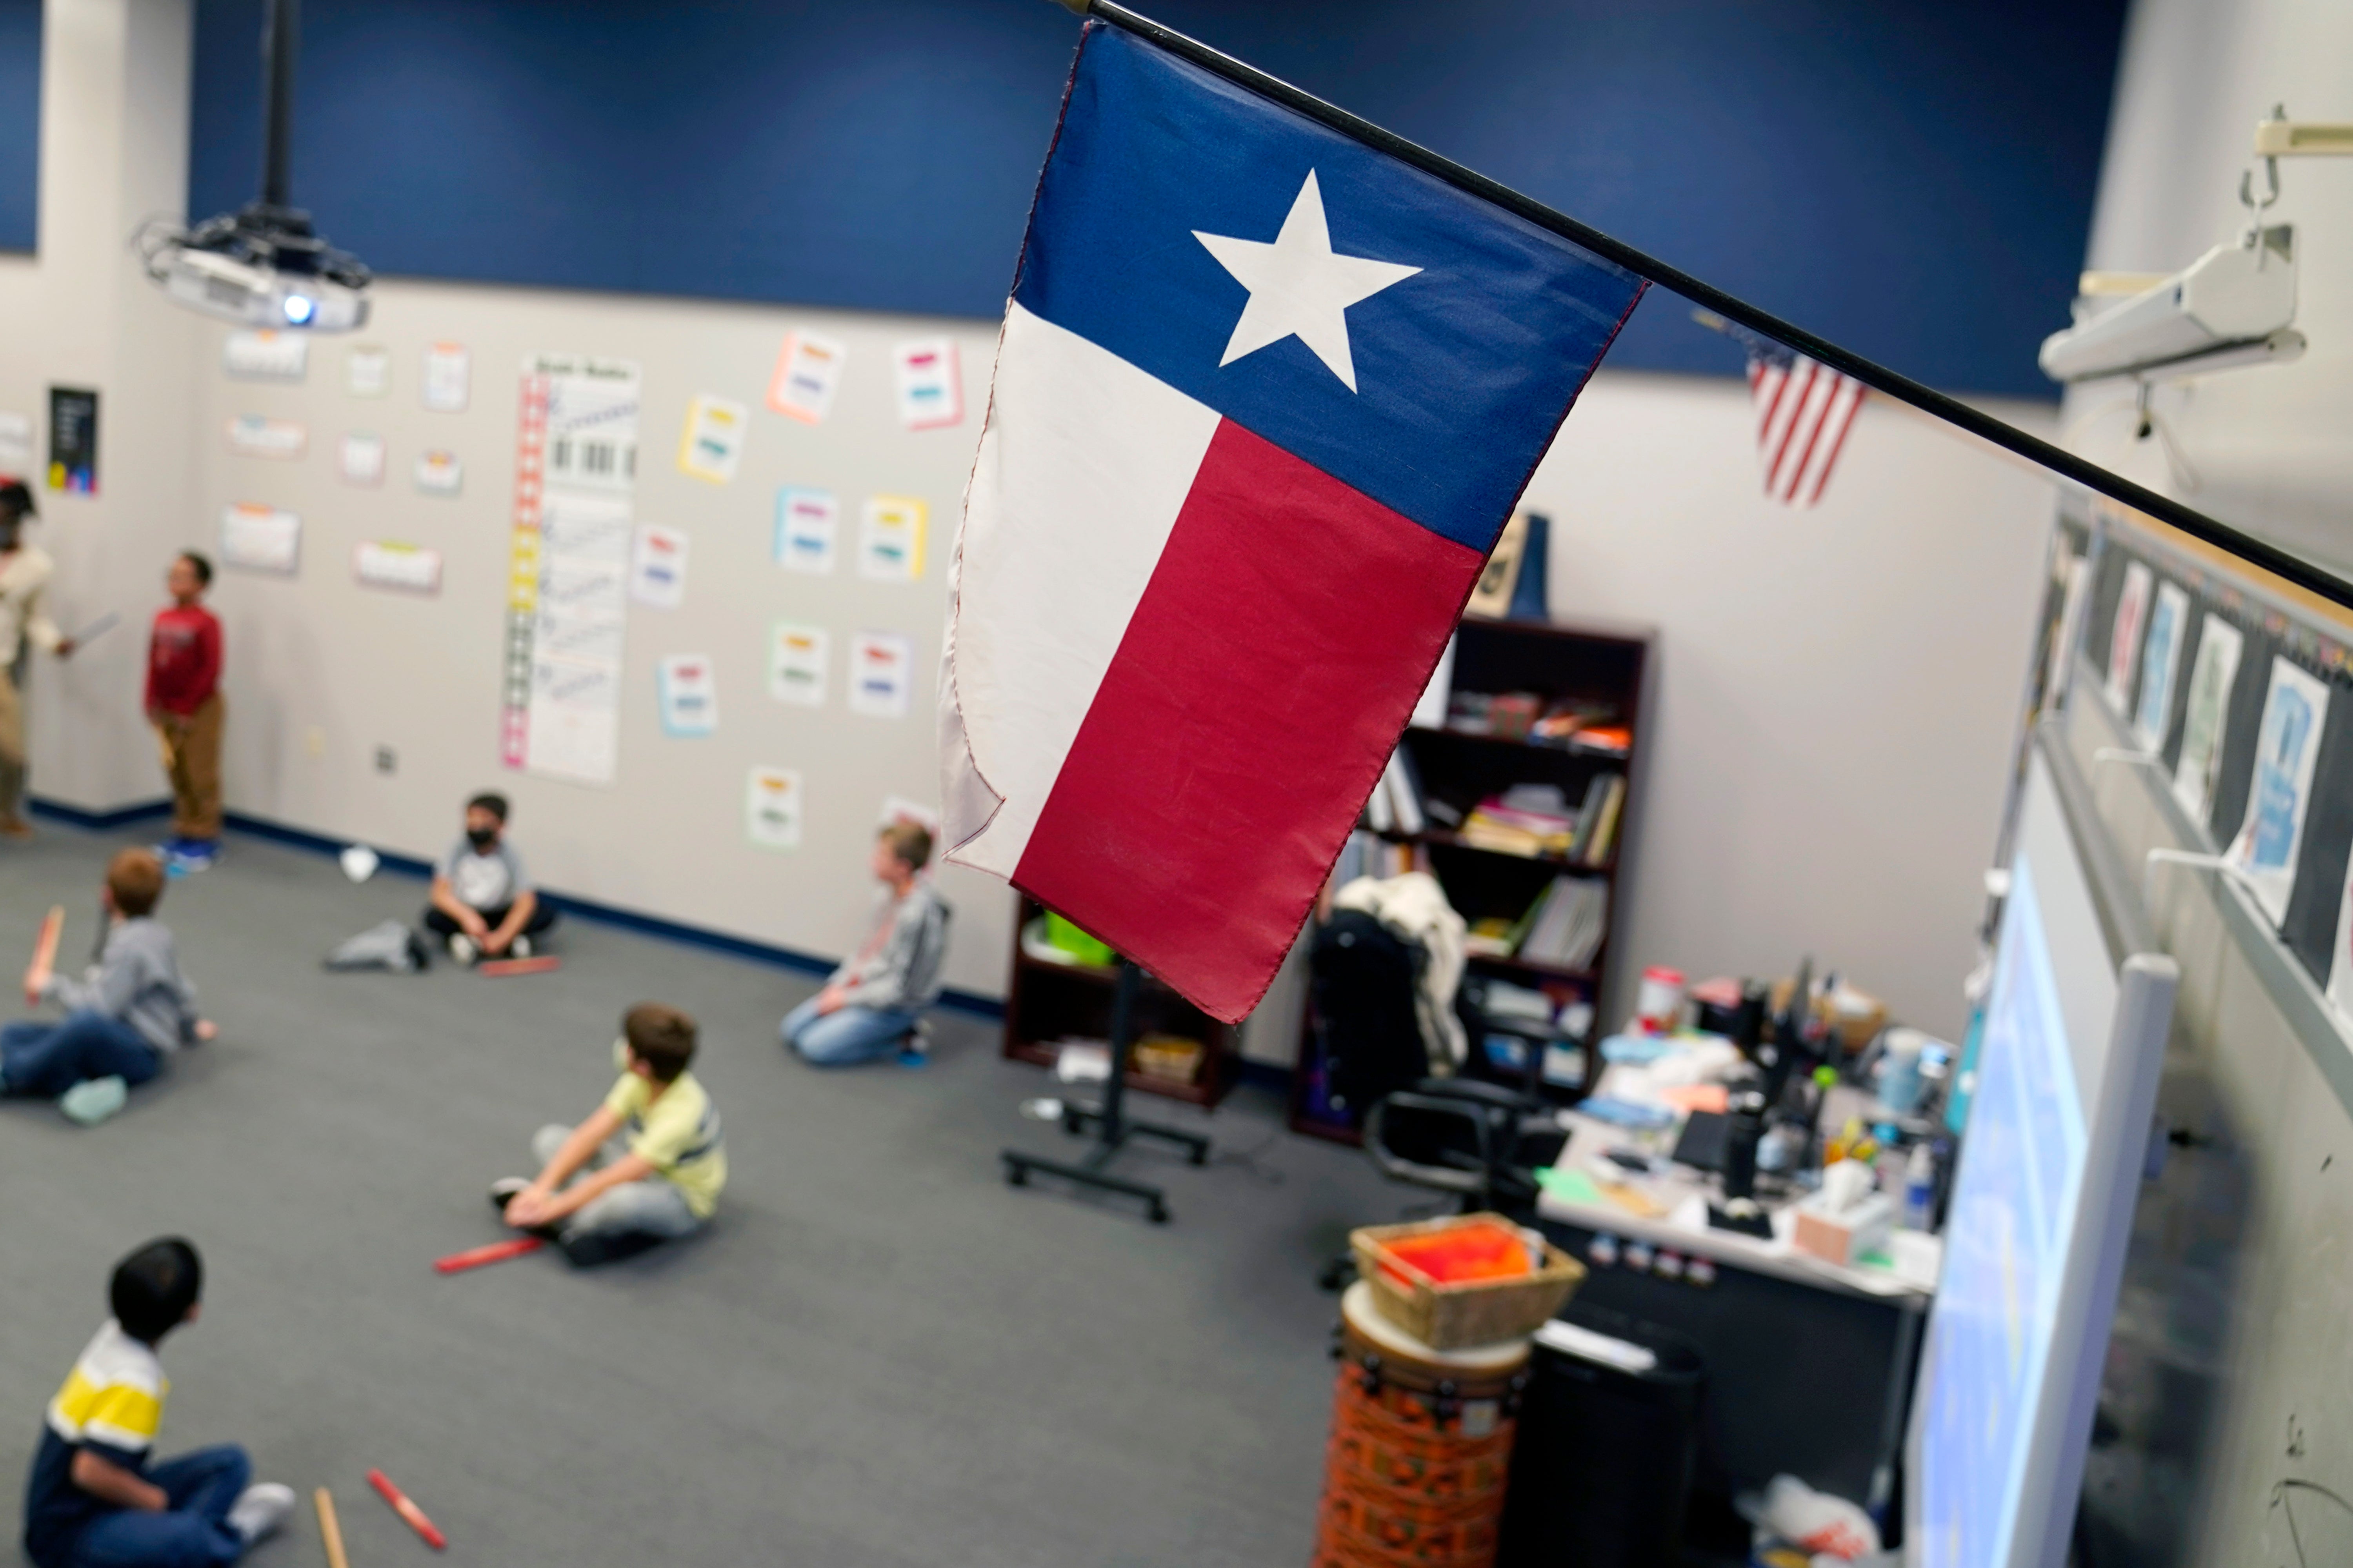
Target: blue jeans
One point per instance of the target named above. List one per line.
(43, 1060)
(193, 1531)
(847, 1035)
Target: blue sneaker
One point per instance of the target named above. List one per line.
(194, 855)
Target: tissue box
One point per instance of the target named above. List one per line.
(1843, 1235)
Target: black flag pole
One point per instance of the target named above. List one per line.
(1878, 377)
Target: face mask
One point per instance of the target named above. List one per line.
(481, 838)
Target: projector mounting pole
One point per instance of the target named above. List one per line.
(282, 41)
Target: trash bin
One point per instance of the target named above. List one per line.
(1603, 1468)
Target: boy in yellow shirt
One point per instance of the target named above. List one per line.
(662, 1183)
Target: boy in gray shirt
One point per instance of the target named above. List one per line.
(483, 905)
(132, 1010)
(874, 1002)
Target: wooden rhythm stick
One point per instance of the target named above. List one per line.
(409, 1512)
(477, 1257)
(538, 966)
(44, 953)
(330, 1532)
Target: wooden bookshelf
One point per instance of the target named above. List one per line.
(1047, 1001)
(1560, 663)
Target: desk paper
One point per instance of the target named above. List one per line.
(439, 473)
(796, 663)
(266, 356)
(359, 457)
(367, 371)
(772, 807)
(807, 523)
(448, 377)
(1569, 1185)
(257, 539)
(713, 443)
(931, 384)
(658, 566)
(689, 692)
(891, 538)
(881, 674)
(2286, 748)
(252, 435)
(409, 569)
(808, 372)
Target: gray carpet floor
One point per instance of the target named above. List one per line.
(879, 1354)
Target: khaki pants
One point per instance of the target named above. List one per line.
(191, 745)
(12, 748)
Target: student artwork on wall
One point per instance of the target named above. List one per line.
(881, 674)
(796, 663)
(567, 594)
(713, 443)
(2073, 597)
(658, 566)
(931, 384)
(809, 370)
(772, 807)
(2211, 675)
(406, 568)
(2160, 661)
(688, 690)
(252, 435)
(266, 356)
(257, 539)
(73, 440)
(16, 445)
(360, 458)
(367, 370)
(439, 473)
(891, 538)
(2124, 636)
(2286, 747)
(807, 523)
(449, 379)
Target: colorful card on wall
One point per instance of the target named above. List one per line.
(809, 370)
(439, 473)
(807, 523)
(250, 435)
(2286, 747)
(410, 569)
(2124, 636)
(713, 443)
(772, 807)
(367, 371)
(266, 356)
(930, 385)
(658, 566)
(73, 440)
(881, 674)
(689, 694)
(2211, 675)
(796, 663)
(257, 538)
(2160, 661)
(360, 458)
(448, 377)
(891, 538)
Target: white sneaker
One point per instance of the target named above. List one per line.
(520, 947)
(260, 1509)
(462, 949)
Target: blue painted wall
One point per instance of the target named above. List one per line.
(20, 123)
(1912, 178)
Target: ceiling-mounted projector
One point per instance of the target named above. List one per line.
(261, 266)
(2232, 306)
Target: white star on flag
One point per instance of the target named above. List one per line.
(1299, 287)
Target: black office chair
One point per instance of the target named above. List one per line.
(1481, 1141)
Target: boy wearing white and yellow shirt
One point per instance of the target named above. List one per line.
(94, 1501)
(662, 1183)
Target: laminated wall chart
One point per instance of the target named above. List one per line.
(575, 470)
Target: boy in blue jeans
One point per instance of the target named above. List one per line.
(131, 1011)
(876, 998)
(94, 1501)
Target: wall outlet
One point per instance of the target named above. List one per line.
(387, 760)
(314, 742)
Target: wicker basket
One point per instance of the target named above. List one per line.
(1448, 1317)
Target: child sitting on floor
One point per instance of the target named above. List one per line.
(876, 999)
(482, 902)
(662, 1184)
(132, 1008)
(94, 1502)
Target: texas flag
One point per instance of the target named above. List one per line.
(1263, 399)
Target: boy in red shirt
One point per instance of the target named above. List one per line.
(184, 703)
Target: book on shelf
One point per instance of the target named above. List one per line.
(1380, 813)
(1529, 820)
(1369, 854)
(1604, 837)
(1402, 780)
(1564, 926)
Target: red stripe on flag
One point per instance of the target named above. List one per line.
(1852, 391)
(1287, 629)
(1796, 418)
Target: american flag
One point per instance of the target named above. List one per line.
(1803, 412)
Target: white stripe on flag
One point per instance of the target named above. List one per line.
(1817, 386)
(1835, 420)
(1083, 466)
(1803, 412)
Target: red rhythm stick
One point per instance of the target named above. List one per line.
(409, 1511)
(497, 1252)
